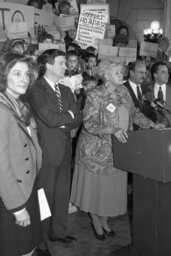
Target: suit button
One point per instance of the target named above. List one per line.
(19, 181)
(25, 145)
(26, 159)
(28, 172)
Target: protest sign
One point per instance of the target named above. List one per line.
(100, 8)
(110, 31)
(10, 13)
(96, 1)
(43, 18)
(65, 23)
(46, 46)
(148, 49)
(128, 54)
(107, 52)
(17, 30)
(91, 28)
(106, 41)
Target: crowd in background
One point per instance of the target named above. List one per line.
(74, 126)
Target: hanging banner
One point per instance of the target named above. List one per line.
(10, 13)
(91, 28)
(17, 30)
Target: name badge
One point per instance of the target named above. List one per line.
(111, 107)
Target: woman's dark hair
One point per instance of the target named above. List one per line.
(8, 60)
(39, 3)
(47, 56)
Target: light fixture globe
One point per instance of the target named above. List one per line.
(155, 25)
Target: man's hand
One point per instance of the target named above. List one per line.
(23, 218)
(121, 135)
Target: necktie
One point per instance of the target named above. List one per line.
(160, 94)
(139, 95)
(57, 92)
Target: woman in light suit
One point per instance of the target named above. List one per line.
(20, 160)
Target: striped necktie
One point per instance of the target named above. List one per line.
(139, 95)
(58, 94)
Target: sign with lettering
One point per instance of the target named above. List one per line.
(10, 13)
(43, 18)
(91, 28)
(100, 8)
(148, 49)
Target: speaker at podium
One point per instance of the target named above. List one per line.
(147, 154)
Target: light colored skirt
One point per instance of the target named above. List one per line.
(103, 195)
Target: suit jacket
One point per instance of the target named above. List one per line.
(20, 159)
(45, 105)
(132, 94)
(150, 97)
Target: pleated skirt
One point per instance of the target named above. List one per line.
(103, 195)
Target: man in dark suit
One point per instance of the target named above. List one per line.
(137, 74)
(160, 92)
(56, 114)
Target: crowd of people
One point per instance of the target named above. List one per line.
(44, 118)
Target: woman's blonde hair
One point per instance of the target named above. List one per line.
(105, 68)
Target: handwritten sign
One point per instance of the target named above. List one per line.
(10, 13)
(96, 1)
(128, 54)
(17, 30)
(65, 23)
(91, 27)
(148, 49)
(100, 8)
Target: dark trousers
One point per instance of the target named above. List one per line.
(57, 190)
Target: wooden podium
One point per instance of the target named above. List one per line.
(147, 154)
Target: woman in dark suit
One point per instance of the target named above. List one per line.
(20, 160)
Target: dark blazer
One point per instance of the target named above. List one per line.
(46, 108)
(166, 115)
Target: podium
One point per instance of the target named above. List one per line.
(147, 154)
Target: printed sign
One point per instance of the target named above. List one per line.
(91, 28)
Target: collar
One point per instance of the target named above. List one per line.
(52, 84)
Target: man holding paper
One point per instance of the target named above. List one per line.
(56, 114)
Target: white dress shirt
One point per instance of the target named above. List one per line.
(156, 90)
(134, 88)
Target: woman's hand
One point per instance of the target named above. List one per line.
(157, 126)
(121, 135)
(23, 218)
